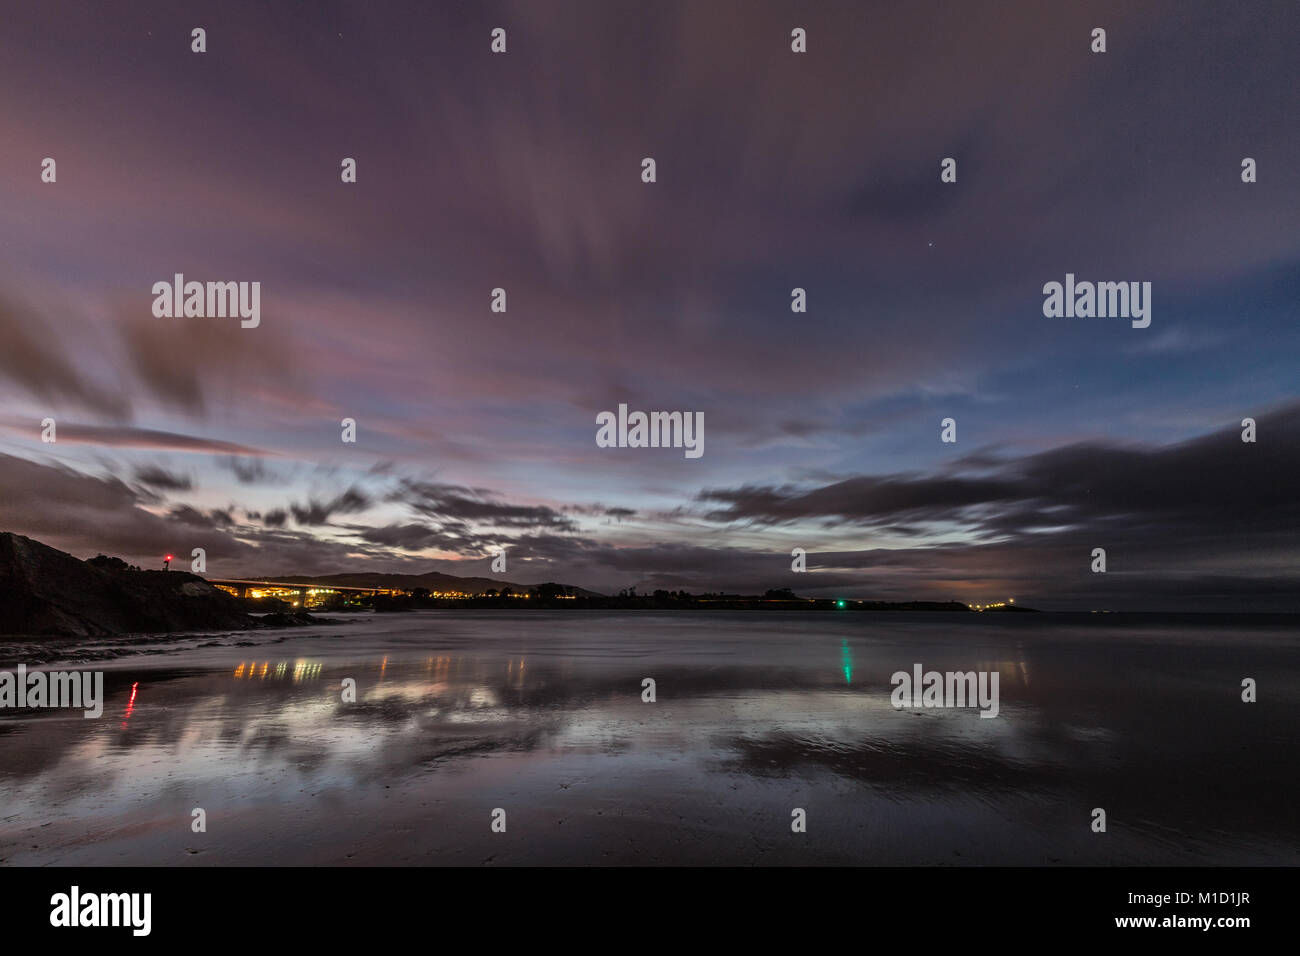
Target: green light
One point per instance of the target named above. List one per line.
(839, 603)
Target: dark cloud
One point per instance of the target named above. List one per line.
(417, 537)
(248, 471)
(160, 478)
(142, 438)
(318, 512)
(87, 515)
(183, 361)
(1215, 482)
(864, 500)
(477, 505)
(33, 358)
(600, 511)
(192, 516)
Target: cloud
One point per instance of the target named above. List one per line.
(1215, 481)
(1205, 523)
(32, 357)
(248, 471)
(159, 478)
(418, 537)
(318, 512)
(86, 514)
(476, 505)
(183, 362)
(862, 500)
(127, 437)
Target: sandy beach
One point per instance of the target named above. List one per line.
(540, 714)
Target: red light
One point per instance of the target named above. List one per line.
(169, 557)
(130, 704)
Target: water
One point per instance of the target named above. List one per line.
(540, 714)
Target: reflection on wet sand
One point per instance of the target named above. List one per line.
(456, 716)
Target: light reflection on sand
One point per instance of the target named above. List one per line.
(541, 713)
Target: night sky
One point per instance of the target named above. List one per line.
(775, 170)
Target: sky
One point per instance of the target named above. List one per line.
(774, 170)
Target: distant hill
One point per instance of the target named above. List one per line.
(433, 580)
(44, 591)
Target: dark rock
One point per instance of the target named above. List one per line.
(49, 592)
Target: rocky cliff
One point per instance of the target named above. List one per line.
(44, 591)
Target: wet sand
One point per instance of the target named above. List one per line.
(540, 714)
